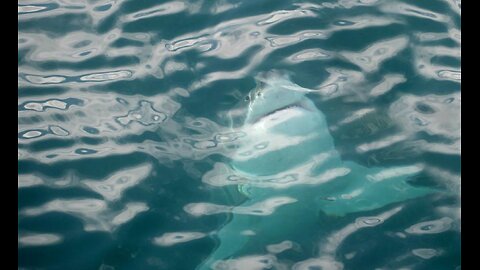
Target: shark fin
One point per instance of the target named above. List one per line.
(365, 189)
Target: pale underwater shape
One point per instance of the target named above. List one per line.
(296, 159)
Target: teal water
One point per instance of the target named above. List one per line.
(125, 109)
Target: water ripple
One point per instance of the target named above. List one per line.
(431, 227)
(170, 239)
(39, 239)
(113, 187)
(264, 208)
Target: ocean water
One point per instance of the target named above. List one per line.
(127, 108)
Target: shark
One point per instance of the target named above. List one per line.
(289, 171)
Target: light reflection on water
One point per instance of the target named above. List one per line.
(130, 116)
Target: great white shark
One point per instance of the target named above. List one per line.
(288, 168)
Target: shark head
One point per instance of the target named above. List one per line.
(284, 128)
(276, 101)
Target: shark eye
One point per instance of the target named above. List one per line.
(247, 98)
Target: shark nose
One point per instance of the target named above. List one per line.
(254, 95)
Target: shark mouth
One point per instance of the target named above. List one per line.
(293, 106)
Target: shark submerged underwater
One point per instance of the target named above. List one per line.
(288, 168)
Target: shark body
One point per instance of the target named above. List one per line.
(289, 169)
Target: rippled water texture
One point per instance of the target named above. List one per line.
(130, 114)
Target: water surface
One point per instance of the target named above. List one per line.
(123, 107)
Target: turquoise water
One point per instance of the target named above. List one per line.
(126, 109)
